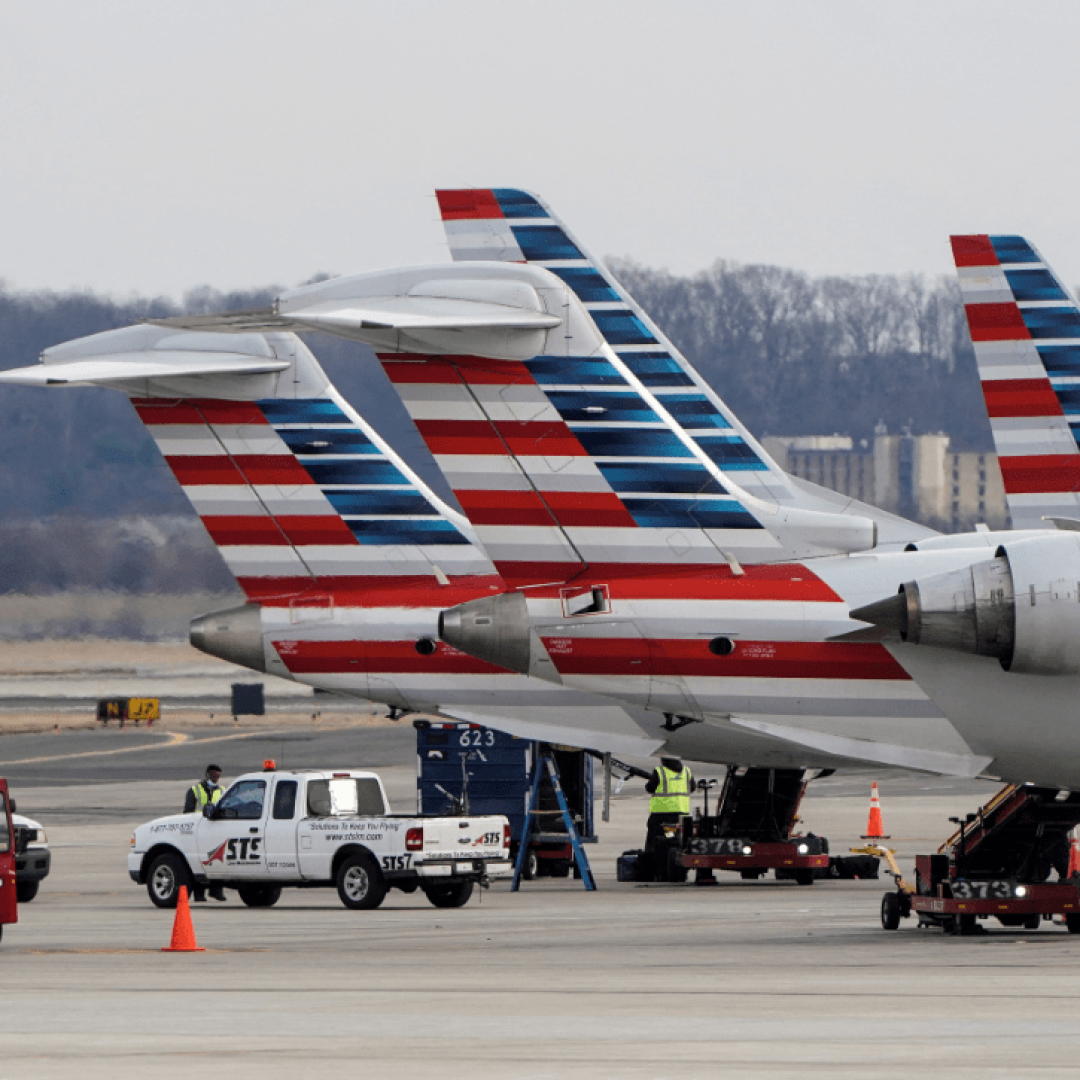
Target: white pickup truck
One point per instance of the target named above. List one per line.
(315, 828)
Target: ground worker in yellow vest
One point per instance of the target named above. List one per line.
(203, 793)
(670, 786)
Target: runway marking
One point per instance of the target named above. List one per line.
(174, 738)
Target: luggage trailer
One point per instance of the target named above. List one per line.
(995, 866)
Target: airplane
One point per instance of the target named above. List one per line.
(630, 571)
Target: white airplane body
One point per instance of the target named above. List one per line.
(631, 572)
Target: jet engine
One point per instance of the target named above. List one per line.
(1022, 606)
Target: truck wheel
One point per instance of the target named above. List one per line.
(890, 911)
(1072, 922)
(804, 877)
(167, 873)
(561, 868)
(360, 883)
(448, 894)
(25, 891)
(749, 875)
(260, 895)
(530, 868)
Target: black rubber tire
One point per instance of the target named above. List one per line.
(167, 873)
(890, 911)
(25, 891)
(1032, 922)
(675, 872)
(260, 895)
(530, 868)
(1072, 922)
(360, 883)
(804, 877)
(749, 875)
(449, 894)
(561, 868)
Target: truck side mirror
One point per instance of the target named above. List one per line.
(209, 811)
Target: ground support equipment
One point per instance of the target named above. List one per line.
(534, 834)
(461, 764)
(752, 831)
(996, 865)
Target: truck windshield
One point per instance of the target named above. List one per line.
(243, 800)
(327, 797)
(5, 832)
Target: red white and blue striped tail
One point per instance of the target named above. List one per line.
(511, 225)
(302, 498)
(1025, 327)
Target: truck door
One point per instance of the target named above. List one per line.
(285, 810)
(9, 911)
(231, 844)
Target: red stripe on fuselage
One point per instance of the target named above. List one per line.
(751, 659)
(374, 591)
(384, 657)
(973, 251)
(1040, 473)
(1021, 397)
(779, 581)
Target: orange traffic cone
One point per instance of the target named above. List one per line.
(874, 828)
(183, 933)
(1074, 858)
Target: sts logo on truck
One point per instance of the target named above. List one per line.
(244, 849)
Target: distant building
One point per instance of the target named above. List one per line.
(916, 476)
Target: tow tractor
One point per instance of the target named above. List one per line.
(752, 831)
(995, 865)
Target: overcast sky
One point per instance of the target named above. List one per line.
(150, 147)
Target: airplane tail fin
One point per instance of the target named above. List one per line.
(301, 496)
(1025, 327)
(511, 225)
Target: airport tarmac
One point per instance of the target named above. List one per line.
(745, 979)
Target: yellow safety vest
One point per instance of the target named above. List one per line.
(673, 794)
(201, 796)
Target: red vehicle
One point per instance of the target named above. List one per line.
(9, 911)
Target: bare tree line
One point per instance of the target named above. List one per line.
(790, 353)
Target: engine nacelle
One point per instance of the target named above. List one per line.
(1022, 606)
